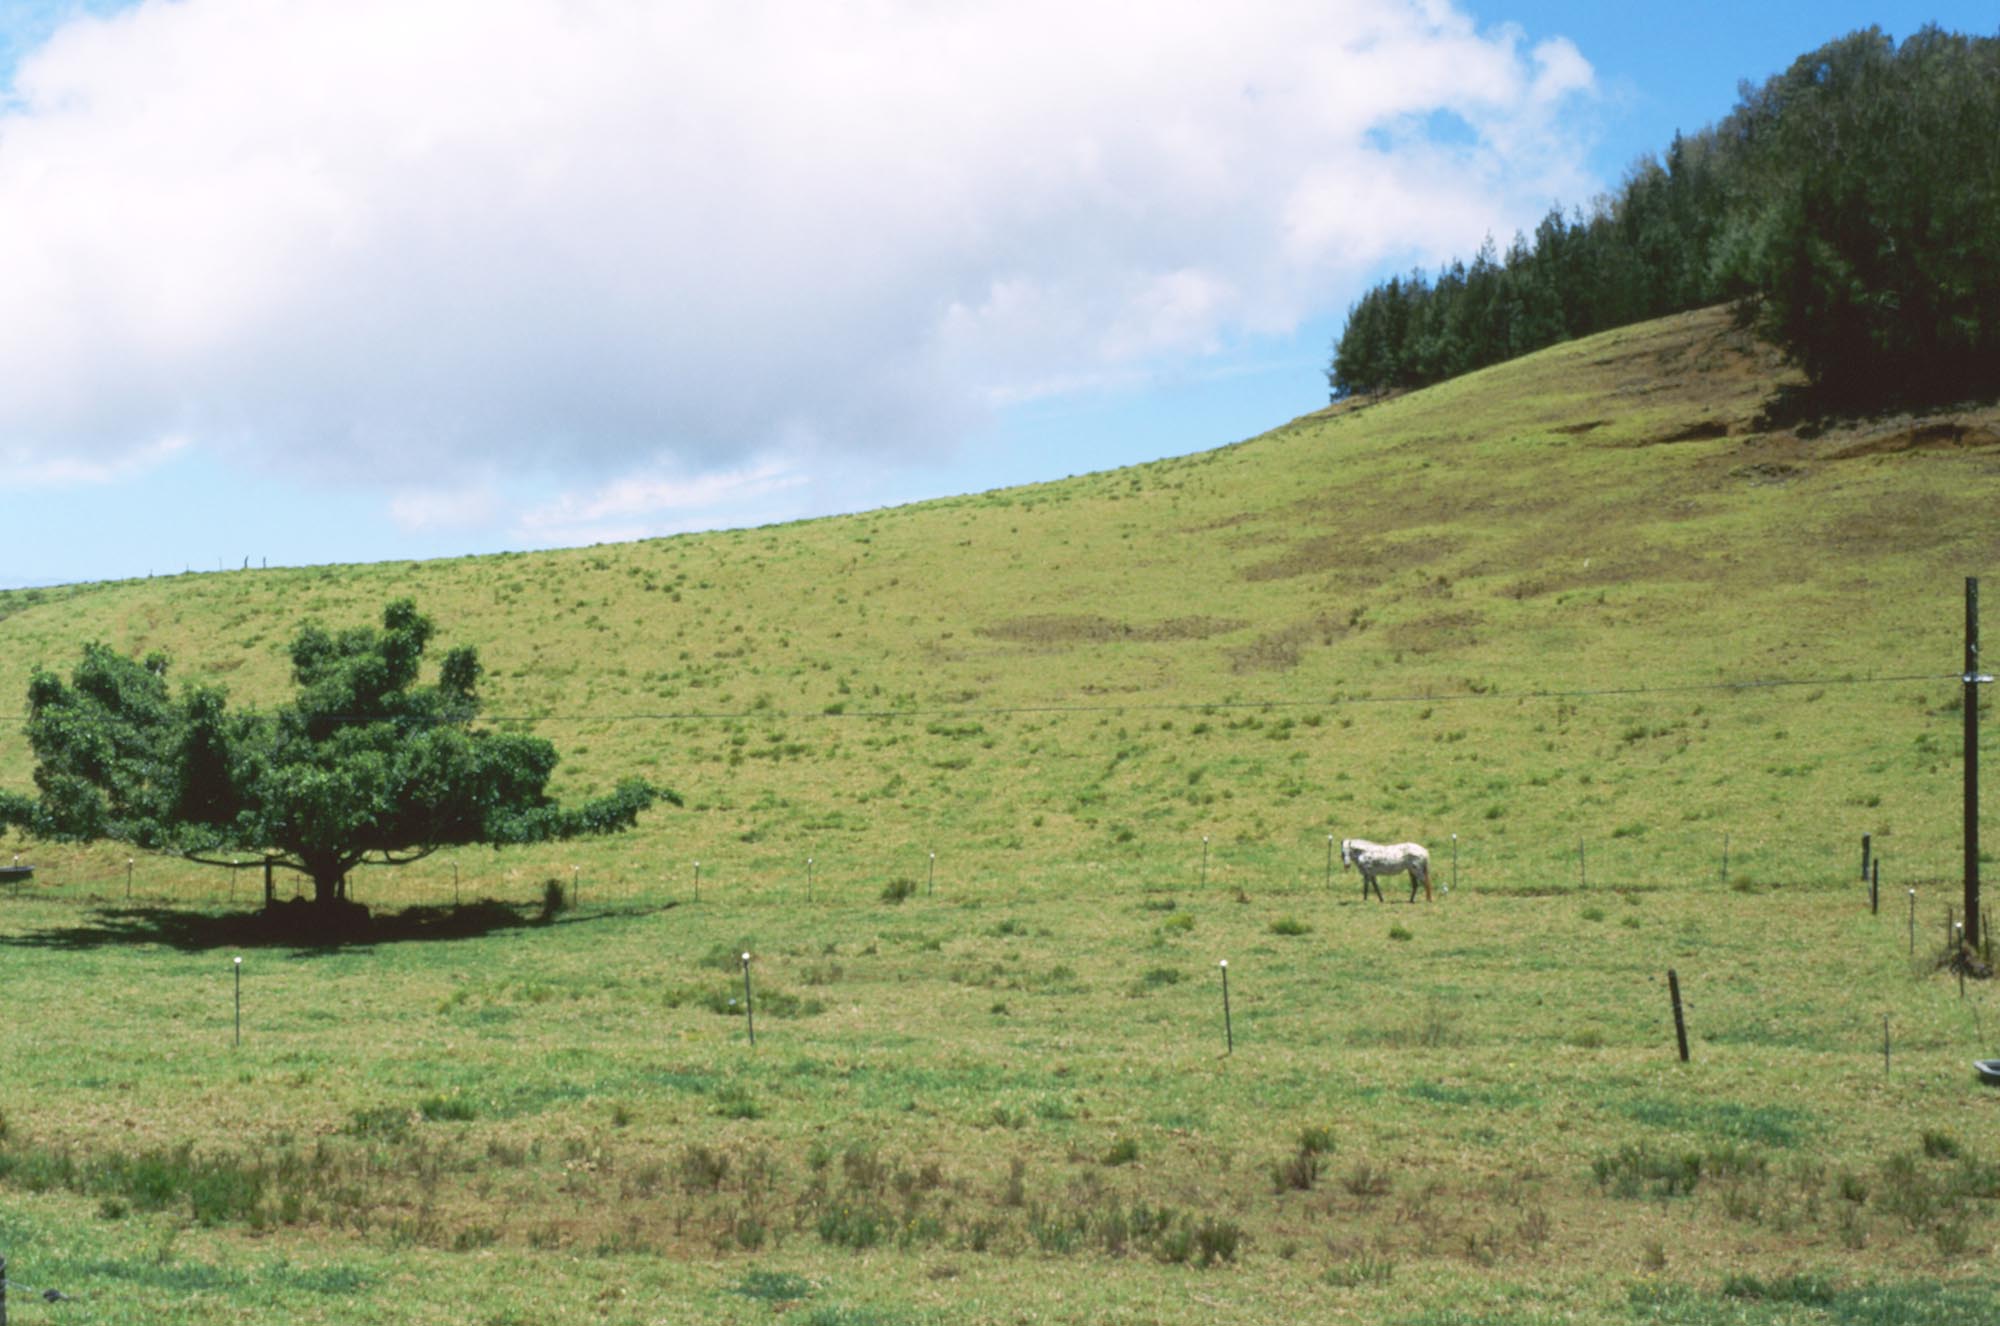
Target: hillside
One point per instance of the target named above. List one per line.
(1500, 607)
(1655, 664)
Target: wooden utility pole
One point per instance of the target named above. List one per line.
(1973, 681)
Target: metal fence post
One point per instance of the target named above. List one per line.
(1228, 1029)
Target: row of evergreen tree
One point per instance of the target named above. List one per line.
(1850, 207)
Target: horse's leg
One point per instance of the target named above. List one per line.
(1413, 883)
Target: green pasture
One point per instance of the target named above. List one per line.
(967, 1107)
(1638, 664)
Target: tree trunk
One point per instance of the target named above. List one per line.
(329, 879)
(327, 917)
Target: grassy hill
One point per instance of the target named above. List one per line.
(1655, 663)
(1496, 608)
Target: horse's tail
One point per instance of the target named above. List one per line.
(1424, 870)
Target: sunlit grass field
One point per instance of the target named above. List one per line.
(988, 788)
(968, 1109)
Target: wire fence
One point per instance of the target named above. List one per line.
(1763, 848)
(15, 1288)
(1630, 859)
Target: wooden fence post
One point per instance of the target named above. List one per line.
(1680, 1023)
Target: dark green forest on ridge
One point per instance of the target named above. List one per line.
(1848, 208)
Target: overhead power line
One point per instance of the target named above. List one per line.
(1201, 706)
(1169, 706)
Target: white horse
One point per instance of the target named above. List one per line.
(1373, 859)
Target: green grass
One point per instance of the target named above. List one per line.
(996, 1087)
(1394, 1119)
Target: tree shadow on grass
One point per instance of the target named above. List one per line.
(300, 927)
(1811, 409)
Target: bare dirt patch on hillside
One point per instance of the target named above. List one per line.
(1281, 650)
(1436, 631)
(1789, 456)
(1066, 630)
(1341, 552)
(1699, 430)
(1896, 437)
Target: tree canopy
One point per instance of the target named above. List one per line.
(1866, 226)
(1850, 206)
(366, 763)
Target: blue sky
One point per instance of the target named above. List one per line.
(351, 280)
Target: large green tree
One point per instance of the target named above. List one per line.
(1867, 230)
(367, 763)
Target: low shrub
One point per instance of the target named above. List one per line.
(452, 1108)
(1364, 1180)
(1360, 1271)
(1217, 1240)
(702, 1169)
(1297, 1172)
(380, 1123)
(1637, 1170)
(856, 1227)
(1940, 1145)
(773, 1287)
(735, 1101)
(1812, 1290)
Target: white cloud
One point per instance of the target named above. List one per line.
(33, 467)
(417, 510)
(639, 505)
(431, 245)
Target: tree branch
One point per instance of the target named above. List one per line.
(239, 863)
